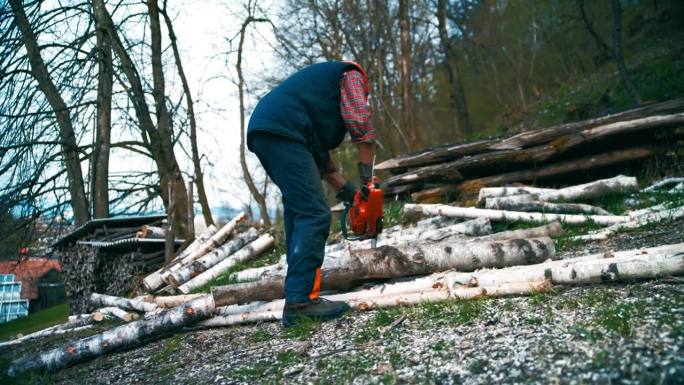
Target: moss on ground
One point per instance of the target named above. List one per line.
(34, 322)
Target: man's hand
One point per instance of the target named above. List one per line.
(347, 192)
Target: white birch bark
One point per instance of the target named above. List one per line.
(553, 229)
(502, 215)
(252, 250)
(528, 203)
(174, 300)
(640, 218)
(663, 184)
(119, 337)
(154, 281)
(215, 240)
(150, 232)
(184, 271)
(51, 331)
(101, 300)
(114, 312)
(497, 192)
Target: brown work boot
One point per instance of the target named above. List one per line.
(319, 309)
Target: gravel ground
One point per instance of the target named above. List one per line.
(605, 334)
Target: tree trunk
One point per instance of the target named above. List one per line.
(544, 207)
(617, 53)
(199, 176)
(100, 300)
(400, 261)
(405, 71)
(67, 135)
(123, 336)
(636, 222)
(174, 300)
(436, 155)
(258, 197)
(500, 215)
(182, 273)
(498, 192)
(250, 251)
(100, 157)
(114, 312)
(458, 100)
(154, 282)
(553, 229)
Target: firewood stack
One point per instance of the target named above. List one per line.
(451, 254)
(546, 154)
(108, 256)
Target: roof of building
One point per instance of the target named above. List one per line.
(29, 271)
(93, 224)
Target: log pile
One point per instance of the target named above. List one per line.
(543, 154)
(452, 254)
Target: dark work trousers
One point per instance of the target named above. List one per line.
(291, 166)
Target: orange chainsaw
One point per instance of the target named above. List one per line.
(365, 214)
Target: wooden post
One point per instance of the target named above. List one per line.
(169, 246)
(191, 212)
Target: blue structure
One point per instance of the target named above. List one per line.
(11, 304)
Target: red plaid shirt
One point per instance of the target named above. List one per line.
(354, 107)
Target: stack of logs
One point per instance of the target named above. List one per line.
(451, 259)
(542, 154)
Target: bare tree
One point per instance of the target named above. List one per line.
(67, 134)
(253, 190)
(405, 69)
(199, 176)
(100, 155)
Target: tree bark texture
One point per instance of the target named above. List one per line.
(100, 155)
(123, 336)
(99, 300)
(415, 139)
(250, 251)
(67, 135)
(544, 207)
(617, 53)
(502, 215)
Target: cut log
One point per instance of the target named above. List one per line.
(154, 282)
(216, 240)
(435, 155)
(123, 336)
(619, 184)
(51, 331)
(663, 184)
(248, 252)
(497, 192)
(553, 229)
(637, 220)
(501, 215)
(493, 277)
(174, 300)
(183, 272)
(401, 261)
(114, 312)
(557, 169)
(529, 138)
(99, 300)
(151, 232)
(541, 206)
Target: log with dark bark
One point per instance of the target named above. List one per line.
(401, 261)
(124, 336)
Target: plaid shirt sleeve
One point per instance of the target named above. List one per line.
(355, 110)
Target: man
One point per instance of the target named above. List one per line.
(292, 130)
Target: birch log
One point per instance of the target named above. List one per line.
(217, 239)
(43, 333)
(641, 219)
(502, 215)
(497, 192)
(154, 281)
(337, 254)
(99, 300)
(170, 301)
(663, 184)
(182, 273)
(400, 261)
(255, 248)
(123, 336)
(114, 312)
(493, 277)
(528, 204)
(595, 189)
(553, 229)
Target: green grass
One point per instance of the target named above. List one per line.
(380, 318)
(34, 322)
(302, 330)
(452, 312)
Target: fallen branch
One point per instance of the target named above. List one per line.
(501, 215)
(123, 336)
(51, 331)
